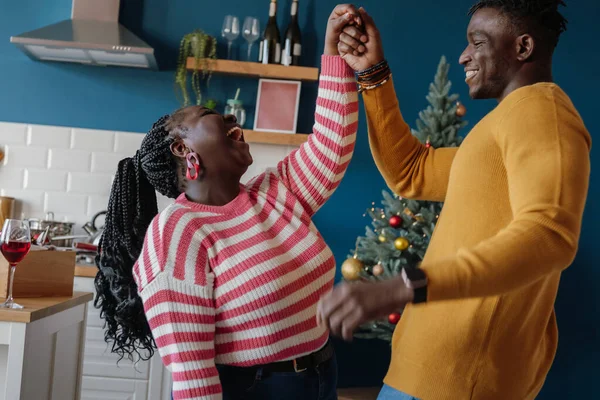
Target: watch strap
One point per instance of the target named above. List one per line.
(420, 295)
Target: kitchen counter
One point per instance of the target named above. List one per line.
(42, 347)
(36, 308)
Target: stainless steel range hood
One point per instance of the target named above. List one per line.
(92, 36)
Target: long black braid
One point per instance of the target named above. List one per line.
(541, 16)
(131, 208)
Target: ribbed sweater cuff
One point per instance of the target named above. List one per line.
(335, 66)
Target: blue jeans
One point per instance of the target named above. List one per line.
(317, 383)
(389, 393)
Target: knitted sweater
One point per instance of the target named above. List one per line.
(238, 284)
(514, 195)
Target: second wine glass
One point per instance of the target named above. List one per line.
(230, 31)
(251, 32)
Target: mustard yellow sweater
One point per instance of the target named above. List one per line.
(514, 195)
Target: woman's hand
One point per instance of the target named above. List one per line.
(360, 46)
(342, 16)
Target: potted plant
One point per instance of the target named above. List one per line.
(211, 103)
(203, 48)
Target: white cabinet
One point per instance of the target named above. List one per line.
(105, 377)
(99, 388)
(41, 348)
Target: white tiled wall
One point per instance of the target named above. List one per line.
(69, 171)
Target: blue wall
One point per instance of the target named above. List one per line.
(415, 35)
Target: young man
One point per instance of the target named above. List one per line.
(479, 321)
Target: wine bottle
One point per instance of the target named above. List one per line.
(270, 45)
(292, 49)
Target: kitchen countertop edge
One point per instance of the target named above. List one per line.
(37, 308)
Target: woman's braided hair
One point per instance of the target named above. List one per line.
(131, 208)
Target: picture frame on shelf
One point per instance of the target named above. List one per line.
(277, 106)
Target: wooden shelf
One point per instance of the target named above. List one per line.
(257, 70)
(285, 139)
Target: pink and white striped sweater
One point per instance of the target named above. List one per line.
(238, 284)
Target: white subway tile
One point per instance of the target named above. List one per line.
(86, 183)
(128, 143)
(28, 157)
(267, 155)
(264, 156)
(66, 203)
(13, 133)
(29, 202)
(163, 201)
(43, 179)
(77, 219)
(49, 136)
(11, 178)
(106, 162)
(67, 159)
(97, 204)
(93, 140)
(289, 149)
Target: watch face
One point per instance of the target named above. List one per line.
(414, 278)
(415, 274)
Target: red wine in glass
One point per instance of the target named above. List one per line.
(15, 242)
(14, 252)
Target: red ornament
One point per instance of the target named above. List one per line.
(395, 221)
(461, 110)
(394, 318)
(428, 145)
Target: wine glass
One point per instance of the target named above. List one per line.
(15, 243)
(230, 31)
(251, 32)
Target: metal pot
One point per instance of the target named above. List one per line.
(94, 232)
(55, 228)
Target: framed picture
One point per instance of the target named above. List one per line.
(277, 106)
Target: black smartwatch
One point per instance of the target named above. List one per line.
(415, 279)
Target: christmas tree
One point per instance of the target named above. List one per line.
(401, 229)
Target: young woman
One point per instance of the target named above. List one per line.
(226, 280)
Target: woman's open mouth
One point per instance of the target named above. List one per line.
(236, 134)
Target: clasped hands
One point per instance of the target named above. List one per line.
(352, 34)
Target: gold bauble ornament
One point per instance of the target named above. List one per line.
(378, 270)
(351, 269)
(382, 238)
(401, 244)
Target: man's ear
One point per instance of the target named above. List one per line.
(179, 149)
(525, 46)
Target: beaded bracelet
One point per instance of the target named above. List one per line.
(362, 88)
(379, 65)
(374, 76)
